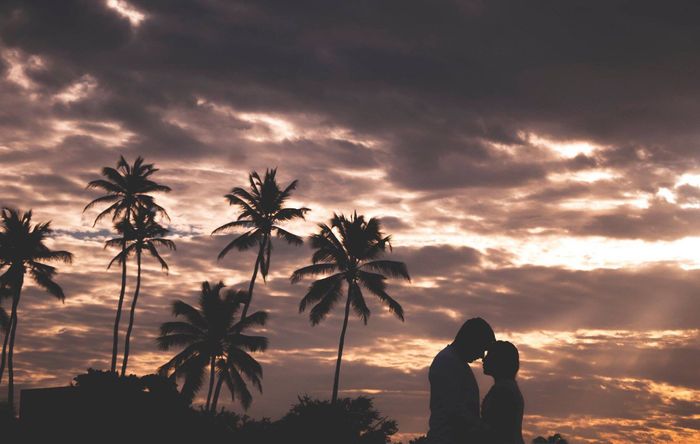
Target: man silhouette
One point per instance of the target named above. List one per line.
(454, 394)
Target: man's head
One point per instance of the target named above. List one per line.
(472, 340)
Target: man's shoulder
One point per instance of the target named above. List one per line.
(446, 354)
(446, 358)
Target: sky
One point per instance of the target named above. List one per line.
(536, 164)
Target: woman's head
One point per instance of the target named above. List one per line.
(502, 360)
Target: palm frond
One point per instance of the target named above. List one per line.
(250, 343)
(257, 318)
(318, 289)
(44, 280)
(329, 299)
(152, 250)
(180, 327)
(167, 341)
(107, 198)
(290, 238)
(390, 268)
(105, 185)
(193, 371)
(242, 242)
(357, 301)
(193, 316)
(290, 213)
(241, 388)
(231, 225)
(376, 284)
(312, 270)
(57, 255)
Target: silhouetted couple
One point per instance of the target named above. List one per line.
(454, 393)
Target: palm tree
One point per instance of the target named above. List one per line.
(353, 259)
(262, 208)
(141, 234)
(212, 336)
(22, 250)
(126, 188)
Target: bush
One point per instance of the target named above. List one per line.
(104, 407)
(313, 421)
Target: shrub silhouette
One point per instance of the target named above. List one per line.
(345, 421)
(553, 439)
(313, 421)
(104, 407)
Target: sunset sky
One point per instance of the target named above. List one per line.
(536, 163)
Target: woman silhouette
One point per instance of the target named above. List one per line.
(502, 408)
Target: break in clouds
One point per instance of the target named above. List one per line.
(537, 164)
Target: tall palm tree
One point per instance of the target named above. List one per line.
(213, 337)
(353, 258)
(262, 208)
(141, 234)
(22, 251)
(126, 188)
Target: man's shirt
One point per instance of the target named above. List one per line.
(454, 398)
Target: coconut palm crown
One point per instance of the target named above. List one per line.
(262, 209)
(349, 249)
(126, 188)
(212, 336)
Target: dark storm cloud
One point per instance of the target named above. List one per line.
(461, 75)
(434, 96)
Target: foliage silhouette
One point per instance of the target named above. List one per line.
(141, 234)
(312, 421)
(104, 407)
(212, 336)
(552, 439)
(22, 250)
(354, 260)
(126, 188)
(262, 209)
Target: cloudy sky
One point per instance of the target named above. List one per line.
(537, 164)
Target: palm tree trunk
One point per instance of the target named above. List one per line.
(252, 280)
(4, 350)
(217, 392)
(10, 357)
(122, 291)
(133, 311)
(212, 376)
(336, 380)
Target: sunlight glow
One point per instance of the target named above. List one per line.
(127, 11)
(18, 63)
(588, 176)
(269, 128)
(109, 133)
(576, 253)
(566, 149)
(78, 90)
